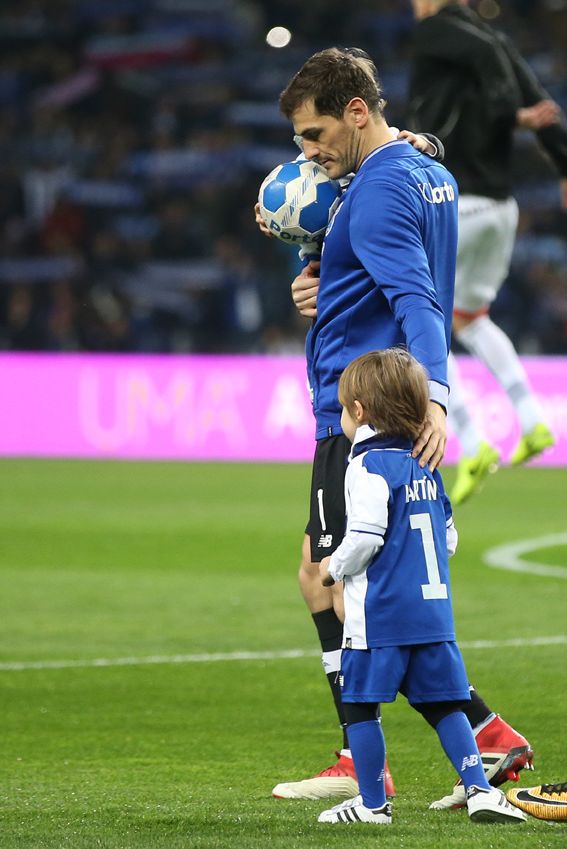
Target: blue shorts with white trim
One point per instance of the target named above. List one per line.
(432, 672)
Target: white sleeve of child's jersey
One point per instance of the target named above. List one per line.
(367, 521)
(452, 537)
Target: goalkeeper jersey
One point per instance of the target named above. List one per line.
(387, 273)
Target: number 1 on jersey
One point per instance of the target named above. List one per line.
(434, 589)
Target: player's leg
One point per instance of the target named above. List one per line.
(324, 533)
(367, 676)
(490, 344)
(487, 231)
(478, 226)
(369, 751)
(504, 752)
(479, 458)
(340, 778)
(329, 625)
(484, 803)
(436, 685)
(456, 737)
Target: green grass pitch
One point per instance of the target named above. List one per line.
(131, 560)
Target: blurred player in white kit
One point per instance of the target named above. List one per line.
(470, 87)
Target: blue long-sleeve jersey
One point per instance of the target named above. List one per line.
(387, 274)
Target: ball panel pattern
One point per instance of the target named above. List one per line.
(295, 199)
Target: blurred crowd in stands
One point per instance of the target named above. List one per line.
(134, 135)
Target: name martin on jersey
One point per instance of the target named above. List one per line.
(423, 489)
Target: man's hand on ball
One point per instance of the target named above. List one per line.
(262, 226)
(304, 289)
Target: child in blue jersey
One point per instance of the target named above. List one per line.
(399, 634)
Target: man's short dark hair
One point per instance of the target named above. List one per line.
(331, 78)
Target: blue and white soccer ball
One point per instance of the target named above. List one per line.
(296, 199)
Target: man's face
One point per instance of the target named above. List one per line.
(331, 142)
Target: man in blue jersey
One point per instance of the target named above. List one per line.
(386, 278)
(399, 634)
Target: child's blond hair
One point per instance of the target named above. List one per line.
(392, 388)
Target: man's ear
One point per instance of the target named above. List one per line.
(357, 110)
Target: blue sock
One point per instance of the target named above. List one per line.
(369, 753)
(457, 739)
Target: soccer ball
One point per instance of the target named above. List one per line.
(296, 200)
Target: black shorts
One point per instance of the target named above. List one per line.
(327, 518)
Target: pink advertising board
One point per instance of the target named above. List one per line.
(211, 408)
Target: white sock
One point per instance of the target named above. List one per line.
(491, 345)
(331, 661)
(464, 425)
(345, 753)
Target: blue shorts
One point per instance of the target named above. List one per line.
(432, 672)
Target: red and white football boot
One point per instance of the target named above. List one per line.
(336, 780)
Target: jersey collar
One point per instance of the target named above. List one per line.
(382, 149)
(366, 438)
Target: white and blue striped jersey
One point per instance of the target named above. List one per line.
(394, 558)
(387, 274)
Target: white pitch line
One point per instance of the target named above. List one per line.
(102, 662)
(16, 666)
(509, 556)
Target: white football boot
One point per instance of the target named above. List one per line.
(491, 806)
(353, 810)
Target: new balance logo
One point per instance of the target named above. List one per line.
(470, 760)
(437, 194)
(325, 541)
